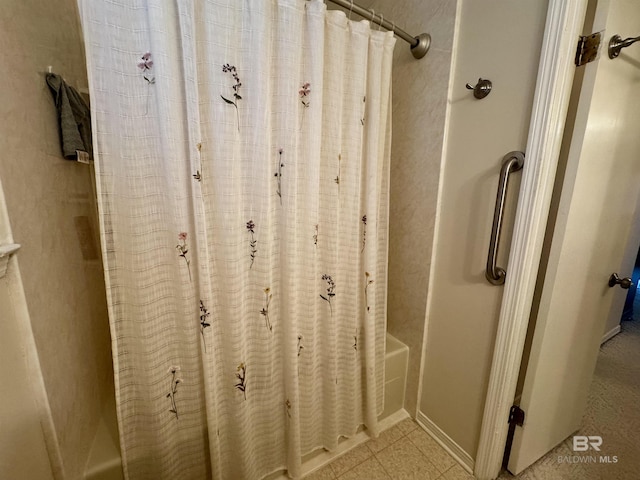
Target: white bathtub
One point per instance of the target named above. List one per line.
(104, 460)
(396, 362)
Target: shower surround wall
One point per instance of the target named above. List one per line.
(53, 215)
(419, 109)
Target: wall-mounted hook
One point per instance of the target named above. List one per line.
(481, 89)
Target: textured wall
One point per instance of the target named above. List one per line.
(50, 203)
(419, 107)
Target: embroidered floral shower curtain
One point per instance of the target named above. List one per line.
(242, 162)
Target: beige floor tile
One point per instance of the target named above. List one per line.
(407, 425)
(325, 473)
(385, 439)
(370, 469)
(456, 473)
(350, 459)
(430, 448)
(403, 461)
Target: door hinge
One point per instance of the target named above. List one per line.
(587, 50)
(516, 415)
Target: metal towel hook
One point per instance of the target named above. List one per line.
(481, 89)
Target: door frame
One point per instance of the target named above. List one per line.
(565, 20)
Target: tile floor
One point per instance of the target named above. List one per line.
(403, 452)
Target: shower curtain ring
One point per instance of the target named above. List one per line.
(373, 15)
(350, 9)
(381, 20)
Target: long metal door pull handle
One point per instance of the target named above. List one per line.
(512, 162)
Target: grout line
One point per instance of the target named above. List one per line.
(359, 463)
(385, 470)
(425, 457)
(382, 466)
(375, 455)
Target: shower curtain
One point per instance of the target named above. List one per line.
(242, 164)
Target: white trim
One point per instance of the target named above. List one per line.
(565, 19)
(456, 451)
(610, 334)
(323, 458)
(436, 222)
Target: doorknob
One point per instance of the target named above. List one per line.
(624, 283)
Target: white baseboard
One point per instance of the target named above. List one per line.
(324, 458)
(446, 442)
(610, 334)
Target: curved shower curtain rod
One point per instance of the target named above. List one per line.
(419, 45)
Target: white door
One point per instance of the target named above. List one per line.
(498, 40)
(595, 216)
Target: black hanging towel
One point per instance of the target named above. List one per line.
(74, 119)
